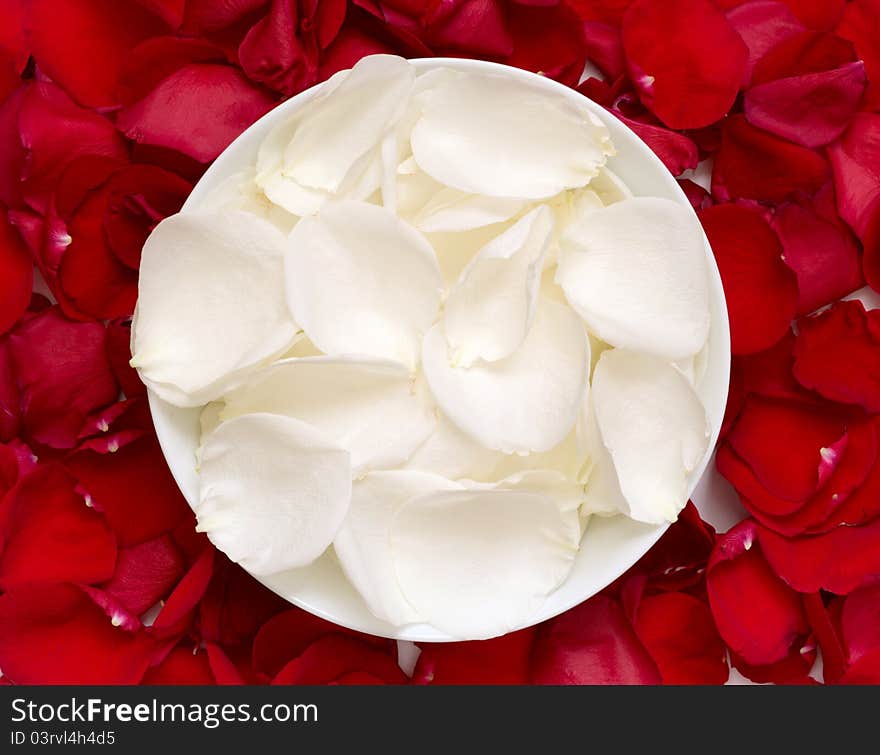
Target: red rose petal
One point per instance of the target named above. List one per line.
(827, 634)
(145, 574)
(855, 158)
(55, 634)
(864, 671)
(548, 40)
(82, 44)
(757, 614)
(816, 14)
(678, 631)
(12, 153)
(119, 355)
(335, 658)
(606, 11)
(860, 623)
(592, 643)
(861, 25)
(12, 37)
(839, 561)
(63, 375)
(170, 11)
(692, 79)
(197, 110)
(223, 669)
(824, 256)
(678, 152)
(133, 488)
(768, 373)
(10, 413)
(188, 592)
(474, 27)
(50, 535)
(802, 54)
(811, 110)
(203, 16)
(183, 665)
(837, 354)
(762, 24)
(761, 291)
(285, 636)
(503, 660)
(16, 274)
(348, 48)
(793, 669)
(752, 164)
(604, 48)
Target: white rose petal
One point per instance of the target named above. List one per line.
(526, 402)
(609, 187)
(363, 543)
(479, 563)
(491, 308)
(274, 491)
(485, 134)
(453, 210)
(655, 428)
(362, 281)
(369, 407)
(211, 304)
(636, 272)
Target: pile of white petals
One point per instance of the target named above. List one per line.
(431, 331)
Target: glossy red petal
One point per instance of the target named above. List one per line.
(63, 375)
(753, 164)
(801, 54)
(761, 290)
(134, 489)
(548, 40)
(55, 634)
(189, 591)
(503, 660)
(677, 151)
(837, 354)
(335, 658)
(861, 25)
(839, 561)
(593, 643)
(81, 44)
(811, 110)
(197, 110)
(758, 615)
(762, 24)
(183, 665)
(50, 535)
(145, 574)
(16, 274)
(692, 79)
(678, 631)
(855, 158)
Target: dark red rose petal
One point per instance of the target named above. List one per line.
(761, 291)
(335, 657)
(12, 37)
(860, 623)
(861, 25)
(690, 80)
(203, 16)
(606, 11)
(837, 354)
(760, 618)
(224, 670)
(63, 375)
(604, 48)
(678, 152)
(794, 669)
(170, 11)
(503, 660)
(474, 27)
(82, 44)
(811, 110)
(183, 665)
(753, 164)
(133, 488)
(10, 413)
(855, 158)
(287, 635)
(768, 373)
(871, 259)
(839, 561)
(803, 54)
(762, 24)
(197, 110)
(188, 592)
(824, 256)
(55, 634)
(16, 274)
(548, 40)
(824, 621)
(348, 48)
(119, 355)
(593, 643)
(678, 631)
(816, 14)
(145, 574)
(50, 535)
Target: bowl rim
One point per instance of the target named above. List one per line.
(217, 171)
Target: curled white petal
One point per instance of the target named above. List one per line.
(526, 402)
(363, 543)
(274, 491)
(609, 187)
(654, 427)
(240, 192)
(361, 281)
(211, 304)
(370, 407)
(636, 272)
(478, 563)
(491, 308)
(453, 210)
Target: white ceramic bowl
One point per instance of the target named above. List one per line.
(610, 546)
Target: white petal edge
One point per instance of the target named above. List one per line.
(453, 210)
(211, 304)
(273, 492)
(637, 273)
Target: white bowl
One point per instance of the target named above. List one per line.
(610, 546)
